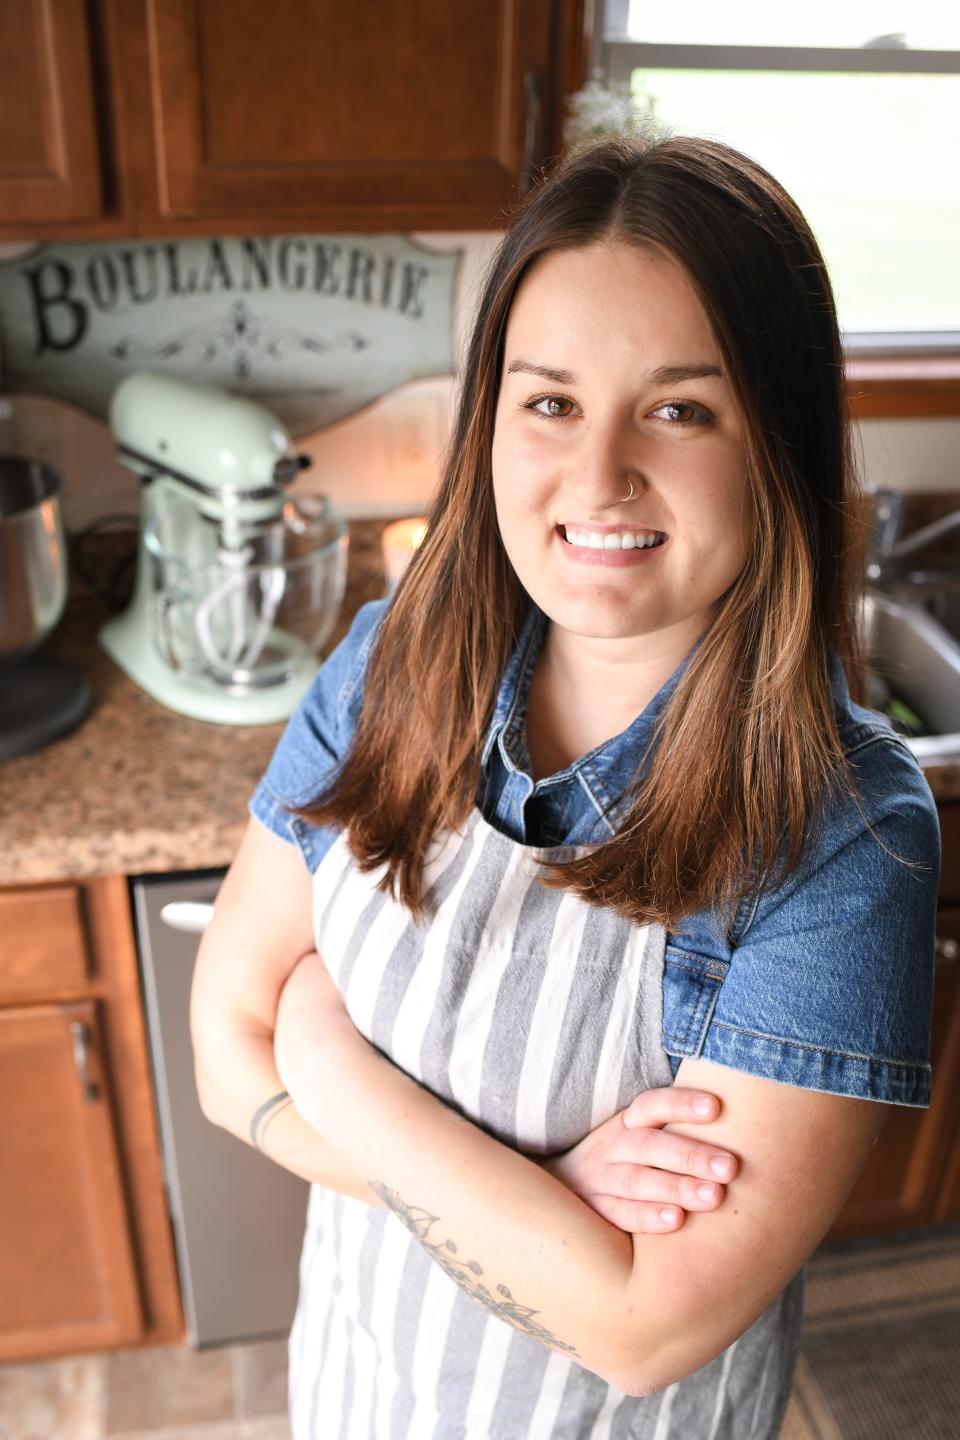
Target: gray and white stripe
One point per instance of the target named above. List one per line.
(539, 1016)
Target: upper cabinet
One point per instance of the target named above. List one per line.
(50, 138)
(202, 116)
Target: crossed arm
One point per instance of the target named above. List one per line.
(640, 1310)
(639, 1178)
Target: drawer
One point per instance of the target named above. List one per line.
(43, 939)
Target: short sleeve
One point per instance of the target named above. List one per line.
(316, 739)
(830, 986)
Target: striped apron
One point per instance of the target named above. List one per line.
(538, 1016)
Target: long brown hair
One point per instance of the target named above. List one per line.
(756, 697)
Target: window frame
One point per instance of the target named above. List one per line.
(893, 373)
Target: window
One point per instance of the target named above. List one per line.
(854, 108)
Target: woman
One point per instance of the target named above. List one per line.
(586, 812)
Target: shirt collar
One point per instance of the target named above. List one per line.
(838, 680)
(605, 772)
(510, 710)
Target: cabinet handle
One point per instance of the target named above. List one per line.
(533, 90)
(80, 1035)
(189, 915)
(947, 949)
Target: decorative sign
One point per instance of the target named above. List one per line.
(313, 327)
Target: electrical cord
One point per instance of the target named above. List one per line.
(118, 586)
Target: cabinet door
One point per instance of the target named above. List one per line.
(903, 1182)
(403, 114)
(49, 145)
(67, 1278)
(950, 864)
(946, 1076)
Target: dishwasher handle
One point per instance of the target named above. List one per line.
(191, 916)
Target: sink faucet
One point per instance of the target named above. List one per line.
(885, 549)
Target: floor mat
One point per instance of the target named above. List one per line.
(881, 1346)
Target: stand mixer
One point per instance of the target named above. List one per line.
(238, 585)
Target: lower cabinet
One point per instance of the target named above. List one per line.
(68, 1278)
(913, 1175)
(86, 1256)
(906, 1181)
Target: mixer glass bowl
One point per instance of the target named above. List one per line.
(248, 605)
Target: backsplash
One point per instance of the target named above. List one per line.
(911, 455)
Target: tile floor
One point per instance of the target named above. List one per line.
(235, 1392)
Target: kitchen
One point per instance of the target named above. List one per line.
(153, 793)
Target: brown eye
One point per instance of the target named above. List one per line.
(696, 415)
(550, 407)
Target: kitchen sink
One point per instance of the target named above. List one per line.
(938, 591)
(911, 641)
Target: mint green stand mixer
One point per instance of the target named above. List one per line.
(238, 583)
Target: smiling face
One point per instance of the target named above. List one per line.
(620, 489)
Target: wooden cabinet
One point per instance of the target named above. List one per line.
(50, 135)
(229, 115)
(946, 1179)
(86, 1256)
(946, 1188)
(67, 1273)
(912, 1177)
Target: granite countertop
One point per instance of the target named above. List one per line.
(138, 788)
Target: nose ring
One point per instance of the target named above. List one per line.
(630, 496)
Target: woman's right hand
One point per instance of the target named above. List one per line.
(642, 1178)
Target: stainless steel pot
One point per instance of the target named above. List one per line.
(33, 565)
(41, 699)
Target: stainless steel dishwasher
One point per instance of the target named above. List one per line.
(237, 1218)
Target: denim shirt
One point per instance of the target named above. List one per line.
(825, 982)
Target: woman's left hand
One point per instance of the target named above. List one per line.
(639, 1176)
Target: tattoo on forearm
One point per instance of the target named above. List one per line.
(263, 1115)
(467, 1273)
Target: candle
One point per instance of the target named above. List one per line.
(400, 540)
